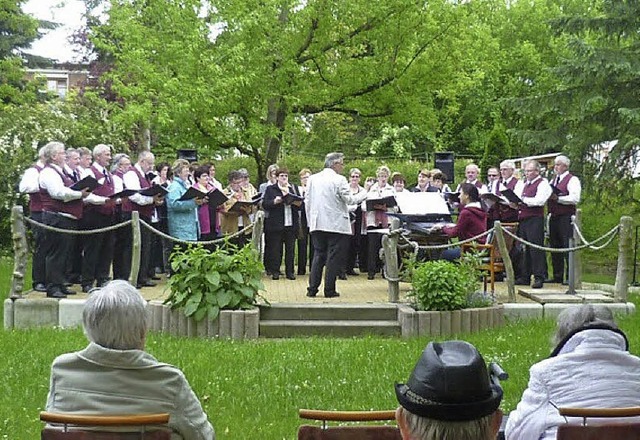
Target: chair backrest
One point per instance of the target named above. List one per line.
(600, 431)
(508, 240)
(354, 432)
(137, 427)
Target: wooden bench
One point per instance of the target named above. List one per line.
(352, 432)
(600, 431)
(136, 426)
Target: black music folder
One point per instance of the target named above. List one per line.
(558, 192)
(452, 197)
(290, 198)
(153, 190)
(492, 198)
(123, 193)
(389, 201)
(512, 197)
(244, 206)
(215, 196)
(89, 182)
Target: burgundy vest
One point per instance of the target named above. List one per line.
(511, 185)
(530, 190)
(35, 200)
(73, 207)
(128, 206)
(556, 208)
(505, 213)
(104, 190)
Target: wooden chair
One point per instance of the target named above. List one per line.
(353, 432)
(138, 424)
(601, 431)
(492, 261)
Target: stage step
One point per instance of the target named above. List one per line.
(342, 320)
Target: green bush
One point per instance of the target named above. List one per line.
(442, 285)
(206, 282)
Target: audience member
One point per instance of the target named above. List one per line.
(449, 395)
(590, 367)
(113, 375)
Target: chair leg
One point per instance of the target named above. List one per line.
(493, 281)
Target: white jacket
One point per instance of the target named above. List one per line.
(326, 202)
(592, 370)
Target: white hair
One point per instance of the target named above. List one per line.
(115, 317)
(50, 149)
(100, 149)
(563, 160)
(508, 164)
(472, 165)
(574, 318)
(332, 158)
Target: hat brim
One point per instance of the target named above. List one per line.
(448, 411)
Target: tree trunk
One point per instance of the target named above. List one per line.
(276, 116)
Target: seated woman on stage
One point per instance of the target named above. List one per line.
(472, 220)
(590, 367)
(113, 375)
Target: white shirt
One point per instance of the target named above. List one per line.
(131, 181)
(543, 193)
(29, 183)
(51, 181)
(574, 188)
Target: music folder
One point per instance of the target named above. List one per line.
(89, 182)
(491, 199)
(452, 197)
(512, 197)
(557, 191)
(290, 198)
(388, 201)
(123, 193)
(243, 206)
(153, 190)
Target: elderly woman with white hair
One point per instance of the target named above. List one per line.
(590, 367)
(114, 375)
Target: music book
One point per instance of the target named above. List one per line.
(452, 197)
(88, 182)
(290, 198)
(193, 193)
(388, 201)
(558, 192)
(123, 193)
(216, 197)
(243, 206)
(492, 198)
(153, 190)
(512, 197)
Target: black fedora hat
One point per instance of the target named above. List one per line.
(450, 382)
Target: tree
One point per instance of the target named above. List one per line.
(496, 150)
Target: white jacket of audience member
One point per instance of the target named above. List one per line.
(592, 370)
(99, 380)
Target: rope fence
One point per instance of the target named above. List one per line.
(77, 231)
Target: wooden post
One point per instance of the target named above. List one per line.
(577, 256)
(390, 246)
(506, 259)
(20, 249)
(625, 258)
(135, 248)
(256, 234)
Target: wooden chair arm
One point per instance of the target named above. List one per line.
(632, 411)
(96, 420)
(346, 416)
(476, 246)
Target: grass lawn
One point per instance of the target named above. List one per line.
(252, 390)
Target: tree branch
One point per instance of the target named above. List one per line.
(309, 39)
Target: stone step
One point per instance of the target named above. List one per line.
(340, 328)
(350, 312)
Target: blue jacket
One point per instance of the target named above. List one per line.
(182, 216)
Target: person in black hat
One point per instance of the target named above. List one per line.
(449, 395)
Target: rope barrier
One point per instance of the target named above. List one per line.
(441, 246)
(597, 248)
(77, 231)
(556, 250)
(177, 240)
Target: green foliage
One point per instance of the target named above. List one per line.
(443, 285)
(496, 150)
(206, 282)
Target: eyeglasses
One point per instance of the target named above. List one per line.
(492, 175)
(283, 175)
(355, 176)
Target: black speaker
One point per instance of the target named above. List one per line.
(190, 155)
(444, 162)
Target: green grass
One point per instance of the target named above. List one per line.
(254, 389)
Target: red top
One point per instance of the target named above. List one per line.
(472, 221)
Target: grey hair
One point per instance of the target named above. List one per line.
(179, 165)
(144, 155)
(573, 318)
(50, 149)
(115, 163)
(41, 154)
(562, 159)
(333, 158)
(383, 169)
(84, 151)
(472, 165)
(430, 429)
(115, 317)
(355, 170)
(100, 149)
(508, 164)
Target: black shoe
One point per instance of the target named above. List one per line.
(102, 283)
(39, 287)
(86, 288)
(342, 277)
(68, 291)
(301, 272)
(291, 277)
(371, 276)
(331, 295)
(146, 283)
(155, 277)
(537, 284)
(521, 282)
(275, 276)
(56, 294)
(312, 293)
(352, 273)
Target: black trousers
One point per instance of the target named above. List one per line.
(374, 244)
(560, 231)
(274, 242)
(127, 250)
(38, 267)
(97, 248)
(328, 250)
(305, 251)
(57, 247)
(119, 236)
(533, 260)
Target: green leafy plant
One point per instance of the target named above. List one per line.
(442, 285)
(206, 282)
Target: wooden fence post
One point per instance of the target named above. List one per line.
(390, 246)
(20, 249)
(135, 248)
(256, 234)
(625, 258)
(577, 255)
(506, 259)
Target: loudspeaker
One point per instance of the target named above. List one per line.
(190, 155)
(444, 162)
